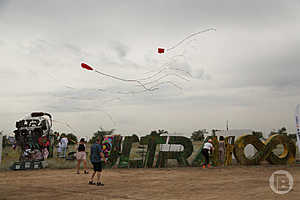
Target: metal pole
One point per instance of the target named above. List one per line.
(227, 125)
(1, 139)
(297, 125)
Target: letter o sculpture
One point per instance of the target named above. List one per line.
(264, 150)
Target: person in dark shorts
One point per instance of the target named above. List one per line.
(81, 156)
(95, 156)
(208, 147)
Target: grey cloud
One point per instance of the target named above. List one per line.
(160, 14)
(84, 94)
(39, 46)
(277, 69)
(3, 4)
(70, 107)
(6, 72)
(237, 13)
(120, 48)
(76, 50)
(196, 100)
(50, 52)
(67, 103)
(234, 69)
(201, 74)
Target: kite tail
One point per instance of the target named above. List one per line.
(180, 42)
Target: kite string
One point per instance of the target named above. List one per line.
(156, 80)
(154, 87)
(109, 116)
(173, 58)
(121, 79)
(66, 124)
(144, 84)
(137, 92)
(169, 82)
(180, 42)
(168, 66)
(164, 69)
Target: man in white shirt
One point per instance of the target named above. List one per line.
(64, 144)
(207, 147)
(59, 149)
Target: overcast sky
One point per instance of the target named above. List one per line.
(247, 71)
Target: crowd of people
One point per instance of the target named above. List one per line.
(97, 156)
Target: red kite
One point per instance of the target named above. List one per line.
(85, 66)
(161, 50)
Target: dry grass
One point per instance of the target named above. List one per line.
(61, 163)
(189, 183)
(9, 156)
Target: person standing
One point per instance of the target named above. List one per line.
(207, 148)
(81, 156)
(45, 153)
(221, 149)
(64, 145)
(95, 155)
(59, 149)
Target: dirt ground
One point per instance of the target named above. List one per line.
(174, 183)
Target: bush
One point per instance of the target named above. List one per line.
(198, 135)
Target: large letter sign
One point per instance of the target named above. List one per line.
(264, 150)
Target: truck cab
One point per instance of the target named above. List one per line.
(35, 137)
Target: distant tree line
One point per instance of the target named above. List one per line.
(197, 135)
(100, 134)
